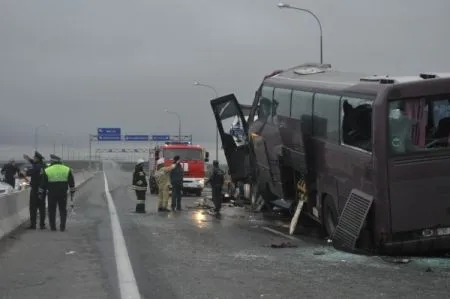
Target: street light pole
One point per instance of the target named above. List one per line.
(36, 137)
(284, 5)
(196, 83)
(179, 122)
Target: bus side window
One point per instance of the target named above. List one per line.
(356, 122)
(301, 108)
(326, 116)
(265, 104)
(281, 103)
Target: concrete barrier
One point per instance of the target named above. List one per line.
(14, 207)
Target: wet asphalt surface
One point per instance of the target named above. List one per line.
(190, 254)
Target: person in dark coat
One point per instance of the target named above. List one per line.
(56, 180)
(140, 185)
(36, 202)
(216, 181)
(10, 170)
(176, 180)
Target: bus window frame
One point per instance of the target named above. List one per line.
(410, 155)
(366, 97)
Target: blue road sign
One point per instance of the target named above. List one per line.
(109, 131)
(109, 137)
(160, 137)
(136, 138)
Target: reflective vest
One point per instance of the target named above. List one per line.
(57, 173)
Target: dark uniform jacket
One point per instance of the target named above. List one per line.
(35, 174)
(58, 187)
(176, 175)
(9, 171)
(217, 177)
(139, 179)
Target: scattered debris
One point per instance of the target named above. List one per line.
(284, 245)
(396, 260)
(428, 270)
(70, 252)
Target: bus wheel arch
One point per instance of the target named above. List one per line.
(330, 216)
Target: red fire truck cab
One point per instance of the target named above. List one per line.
(193, 158)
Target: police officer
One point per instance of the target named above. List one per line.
(56, 179)
(140, 185)
(176, 180)
(36, 202)
(216, 181)
(10, 170)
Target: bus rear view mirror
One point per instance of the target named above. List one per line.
(206, 156)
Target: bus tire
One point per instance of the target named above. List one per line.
(330, 216)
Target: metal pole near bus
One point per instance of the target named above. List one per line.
(196, 83)
(285, 5)
(179, 122)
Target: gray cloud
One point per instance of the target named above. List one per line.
(79, 65)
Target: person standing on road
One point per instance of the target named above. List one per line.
(162, 176)
(216, 181)
(176, 180)
(10, 170)
(56, 180)
(36, 202)
(140, 185)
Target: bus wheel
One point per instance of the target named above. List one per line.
(330, 216)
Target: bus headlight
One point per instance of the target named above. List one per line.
(201, 182)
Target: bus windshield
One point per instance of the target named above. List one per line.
(184, 153)
(417, 125)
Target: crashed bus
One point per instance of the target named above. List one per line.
(367, 157)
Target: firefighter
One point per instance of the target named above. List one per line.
(55, 181)
(176, 180)
(216, 181)
(10, 170)
(163, 180)
(35, 201)
(140, 185)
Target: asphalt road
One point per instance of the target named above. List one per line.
(189, 254)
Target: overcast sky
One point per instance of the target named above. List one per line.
(82, 64)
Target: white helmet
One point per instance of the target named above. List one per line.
(160, 161)
(140, 161)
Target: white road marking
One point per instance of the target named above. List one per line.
(127, 282)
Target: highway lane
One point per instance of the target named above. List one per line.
(191, 255)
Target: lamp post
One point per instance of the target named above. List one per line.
(54, 142)
(179, 122)
(284, 5)
(36, 135)
(196, 83)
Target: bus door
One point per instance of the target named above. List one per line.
(228, 112)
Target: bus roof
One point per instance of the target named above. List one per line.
(322, 76)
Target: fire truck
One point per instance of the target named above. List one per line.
(193, 159)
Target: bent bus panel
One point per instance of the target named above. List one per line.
(338, 131)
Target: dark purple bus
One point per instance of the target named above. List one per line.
(368, 156)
